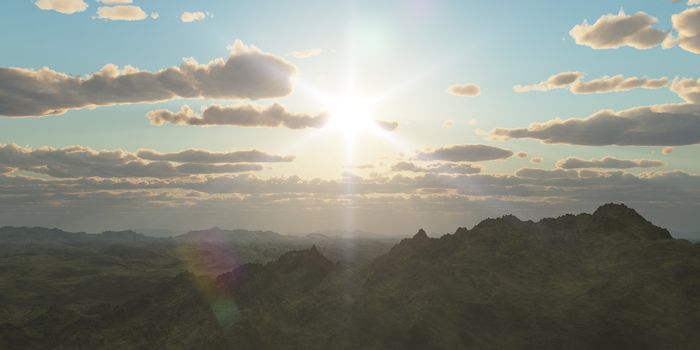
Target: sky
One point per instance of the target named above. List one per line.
(300, 116)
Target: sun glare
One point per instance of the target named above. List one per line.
(350, 114)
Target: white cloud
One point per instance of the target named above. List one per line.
(470, 90)
(66, 7)
(188, 17)
(121, 13)
(613, 31)
(687, 24)
(306, 53)
(687, 89)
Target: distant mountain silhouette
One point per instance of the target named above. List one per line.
(215, 234)
(607, 280)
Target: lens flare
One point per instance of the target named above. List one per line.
(207, 255)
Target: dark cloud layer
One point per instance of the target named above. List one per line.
(78, 161)
(437, 168)
(204, 156)
(384, 203)
(247, 74)
(608, 163)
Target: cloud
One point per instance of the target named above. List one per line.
(466, 153)
(121, 13)
(306, 53)
(615, 84)
(79, 161)
(687, 24)
(188, 17)
(667, 150)
(687, 89)
(115, 2)
(536, 160)
(546, 174)
(387, 125)
(573, 81)
(379, 203)
(245, 115)
(556, 81)
(204, 156)
(464, 90)
(613, 31)
(658, 125)
(447, 124)
(154, 15)
(65, 7)
(607, 163)
(248, 73)
(522, 154)
(438, 168)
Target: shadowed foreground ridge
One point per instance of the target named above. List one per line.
(607, 280)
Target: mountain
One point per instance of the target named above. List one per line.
(607, 280)
(348, 234)
(217, 235)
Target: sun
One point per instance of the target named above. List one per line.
(350, 114)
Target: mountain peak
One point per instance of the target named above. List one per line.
(615, 210)
(420, 235)
(621, 218)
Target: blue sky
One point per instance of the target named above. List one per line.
(415, 49)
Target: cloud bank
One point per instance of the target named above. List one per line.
(437, 168)
(573, 81)
(659, 125)
(78, 161)
(248, 73)
(607, 163)
(245, 115)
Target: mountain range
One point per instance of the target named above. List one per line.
(607, 280)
